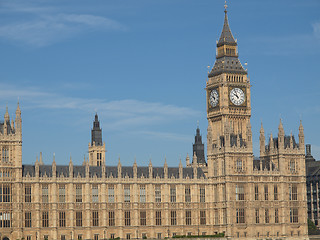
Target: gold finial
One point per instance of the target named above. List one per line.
(225, 6)
(208, 68)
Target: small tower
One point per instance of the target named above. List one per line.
(97, 148)
(198, 149)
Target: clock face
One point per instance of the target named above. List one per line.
(237, 96)
(214, 98)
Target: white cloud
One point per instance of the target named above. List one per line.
(316, 30)
(42, 26)
(119, 114)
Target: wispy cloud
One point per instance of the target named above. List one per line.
(289, 44)
(163, 135)
(45, 26)
(119, 114)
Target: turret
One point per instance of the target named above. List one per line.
(188, 160)
(135, 169)
(150, 170)
(54, 166)
(165, 168)
(70, 168)
(18, 120)
(180, 170)
(301, 137)
(280, 136)
(198, 148)
(96, 147)
(262, 141)
(119, 168)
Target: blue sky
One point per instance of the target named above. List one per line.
(142, 65)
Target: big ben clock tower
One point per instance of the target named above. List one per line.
(228, 92)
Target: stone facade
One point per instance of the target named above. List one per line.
(233, 193)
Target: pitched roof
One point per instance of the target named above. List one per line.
(226, 36)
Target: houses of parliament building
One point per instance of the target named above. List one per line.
(228, 191)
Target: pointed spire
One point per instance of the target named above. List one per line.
(226, 36)
(70, 162)
(41, 161)
(261, 129)
(188, 160)
(280, 128)
(6, 115)
(54, 158)
(84, 160)
(18, 111)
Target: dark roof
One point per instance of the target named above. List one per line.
(46, 170)
(226, 36)
(227, 64)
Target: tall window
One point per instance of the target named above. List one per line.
(45, 194)
(216, 217)
(256, 192)
(142, 193)
(266, 194)
(5, 154)
(239, 192)
(173, 196)
(127, 193)
(266, 215)
(79, 219)
(111, 194)
(5, 219)
(224, 216)
(158, 193)
(276, 215)
(292, 165)
(158, 218)
(240, 218)
(27, 193)
(294, 215)
(215, 168)
(202, 217)
(239, 166)
(62, 193)
(27, 219)
(202, 194)
(111, 218)
(78, 193)
(257, 215)
(224, 194)
(95, 218)
(127, 219)
(216, 195)
(293, 192)
(275, 192)
(188, 217)
(45, 219)
(5, 193)
(143, 218)
(187, 193)
(173, 218)
(62, 219)
(95, 193)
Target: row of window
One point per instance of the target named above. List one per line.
(111, 193)
(293, 192)
(5, 193)
(111, 218)
(240, 215)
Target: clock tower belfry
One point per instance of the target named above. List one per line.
(228, 100)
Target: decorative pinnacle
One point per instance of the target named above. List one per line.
(225, 6)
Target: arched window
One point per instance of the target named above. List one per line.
(239, 165)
